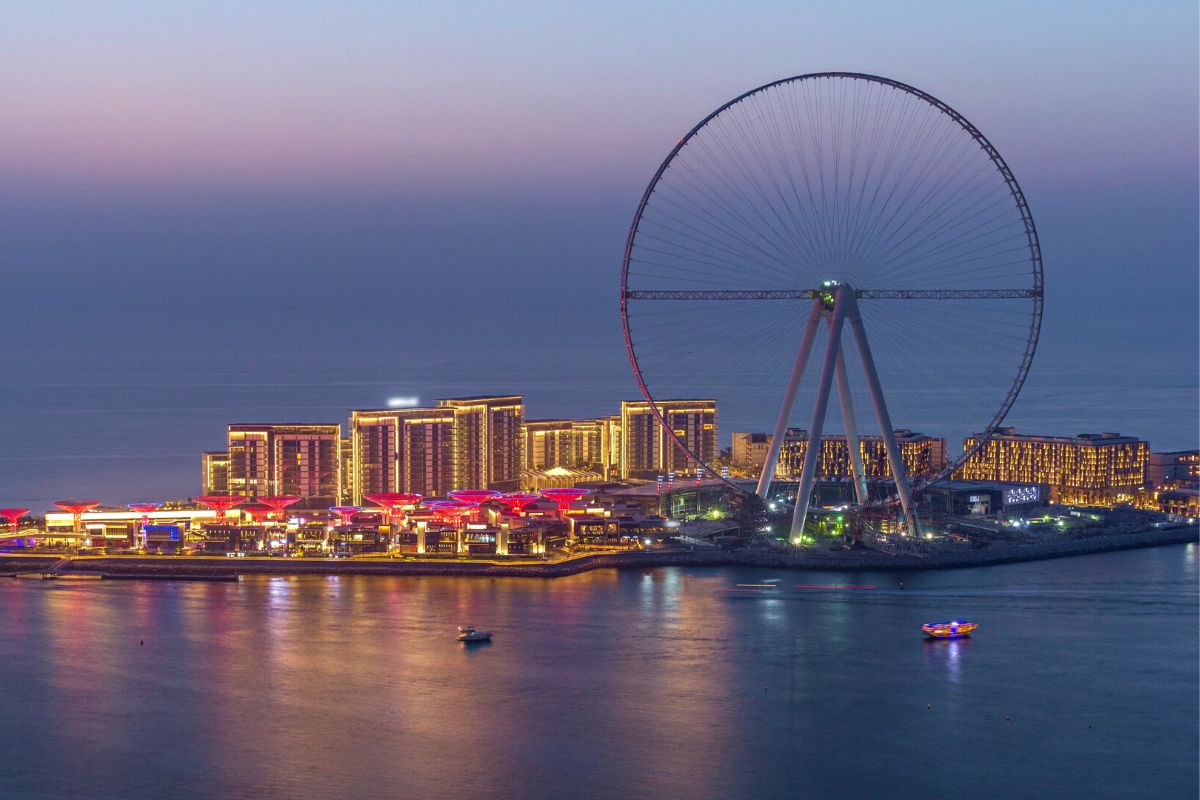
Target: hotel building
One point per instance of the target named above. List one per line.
(646, 450)
(487, 441)
(1104, 469)
(284, 459)
(402, 450)
(922, 455)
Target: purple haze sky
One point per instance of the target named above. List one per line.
(220, 180)
(506, 144)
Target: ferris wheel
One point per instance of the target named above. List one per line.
(838, 233)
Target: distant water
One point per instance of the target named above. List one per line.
(129, 427)
(1081, 683)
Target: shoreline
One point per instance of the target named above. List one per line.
(208, 568)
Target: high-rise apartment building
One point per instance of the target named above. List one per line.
(647, 451)
(549, 443)
(402, 450)
(487, 441)
(1091, 469)
(286, 459)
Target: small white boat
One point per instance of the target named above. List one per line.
(467, 633)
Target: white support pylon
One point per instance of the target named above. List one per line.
(853, 443)
(845, 309)
(789, 399)
(885, 421)
(809, 473)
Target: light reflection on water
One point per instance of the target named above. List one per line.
(636, 684)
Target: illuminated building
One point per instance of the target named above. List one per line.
(286, 459)
(570, 443)
(534, 480)
(549, 443)
(1180, 468)
(750, 450)
(118, 528)
(1090, 469)
(402, 450)
(922, 455)
(487, 441)
(646, 451)
(610, 444)
(215, 468)
(1171, 483)
(345, 468)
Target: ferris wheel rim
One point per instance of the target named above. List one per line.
(1022, 206)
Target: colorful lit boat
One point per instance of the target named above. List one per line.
(949, 630)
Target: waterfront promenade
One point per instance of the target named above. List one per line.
(200, 567)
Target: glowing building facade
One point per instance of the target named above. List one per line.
(286, 459)
(569, 443)
(549, 443)
(922, 455)
(214, 467)
(402, 450)
(647, 451)
(487, 441)
(1104, 469)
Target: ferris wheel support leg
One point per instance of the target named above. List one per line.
(809, 473)
(789, 399)
(857, 473)
(885, 421)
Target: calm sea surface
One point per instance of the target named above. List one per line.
(1082, 682)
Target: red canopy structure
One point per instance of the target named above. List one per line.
(476, 496)
(279, 502)
(76, 508)
(451, 510)
(345, 512)
(13, 515)
(564, 497)
(144, 509)
(516, 501)
(258, 512)
(393, 503)
(220, 503)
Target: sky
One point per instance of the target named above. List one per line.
(289, 185)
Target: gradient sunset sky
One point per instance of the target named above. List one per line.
(148, 144)
(191, 179)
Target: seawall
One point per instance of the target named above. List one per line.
(183, 567)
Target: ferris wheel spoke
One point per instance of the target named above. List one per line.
(746, 232)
